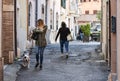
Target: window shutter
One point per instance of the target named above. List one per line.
(63, 3)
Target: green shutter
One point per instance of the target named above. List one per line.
(63, 3)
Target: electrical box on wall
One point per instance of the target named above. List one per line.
(113, 24)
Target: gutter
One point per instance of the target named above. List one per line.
(109, 33)
(15, 28)
(36, 15)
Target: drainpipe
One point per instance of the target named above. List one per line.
(46, 12)
(15, 29)
(0, 28)
(53, 13)
(101, 35)
(36, 15)
(109, 33)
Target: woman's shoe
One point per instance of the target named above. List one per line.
(36, 65)
(67, 56)
(40, 67)
(62, 55)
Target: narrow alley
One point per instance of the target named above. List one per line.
(84, 64)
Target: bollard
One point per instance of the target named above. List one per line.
(112, 77)
(18, 53)
(11, 57)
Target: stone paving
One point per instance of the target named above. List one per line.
(84, 64)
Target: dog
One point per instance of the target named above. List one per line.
(26, 60)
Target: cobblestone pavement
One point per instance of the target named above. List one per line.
(84, 64)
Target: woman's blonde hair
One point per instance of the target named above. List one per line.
(40, 22)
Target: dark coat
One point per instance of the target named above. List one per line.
(41, 37)
(63, 31)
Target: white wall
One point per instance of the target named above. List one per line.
(51, 34)
(73, 10)
(21, 24)
(33, 6)
(72, 26)
(104, 33)
(0, 27)
(40, 15)
(57, 10)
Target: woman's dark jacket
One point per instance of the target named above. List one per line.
(63, 31)
(41, 37)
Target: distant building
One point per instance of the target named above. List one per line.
(88, 10)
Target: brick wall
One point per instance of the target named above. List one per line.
(8, 2)
(1, 69)
(7, 29)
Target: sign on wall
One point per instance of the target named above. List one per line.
(113, 24)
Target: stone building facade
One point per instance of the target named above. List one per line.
(88, 10)
(7, 29)
(112, 37)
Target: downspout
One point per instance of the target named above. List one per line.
(36, 16)
(46, 13)
(110, 33)
(15, 28)
(101, 35)
(0, 29)
(53, 13)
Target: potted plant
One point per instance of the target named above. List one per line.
(86, 31)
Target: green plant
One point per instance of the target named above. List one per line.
(99, 15)
(86, 29)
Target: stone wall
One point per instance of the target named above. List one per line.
(7, 29)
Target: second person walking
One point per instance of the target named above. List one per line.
(63, 32)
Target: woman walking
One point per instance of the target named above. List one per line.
(81, 34)
(40, 42)
(63, 32)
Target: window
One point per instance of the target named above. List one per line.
(57, 21)
(74, 20)
(30, 14)
(86, 12)
(42, 9)
(51, 21)
(81, 1)
(63, 3)
(94, 11)
(85, 0)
